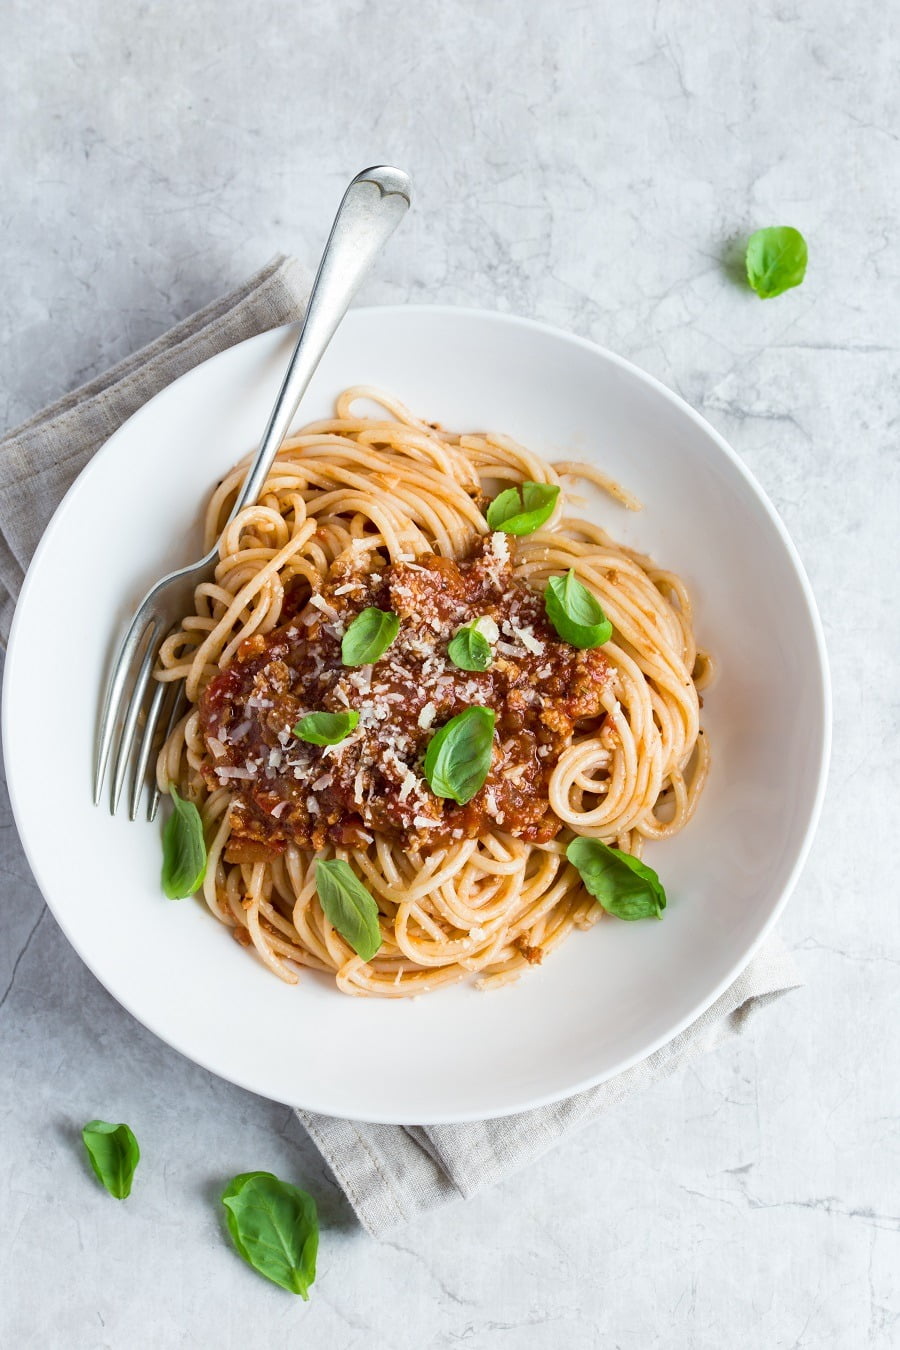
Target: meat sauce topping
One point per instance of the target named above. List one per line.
(286, 790)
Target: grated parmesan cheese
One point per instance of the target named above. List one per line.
(400, 699)
(322, 604)
(487, 627)
(499, 546)
(529, 641)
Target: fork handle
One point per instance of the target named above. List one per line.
(371, 209)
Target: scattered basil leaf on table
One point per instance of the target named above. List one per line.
(113, 1154)
(522, 510)
(348, 906)
(776, 260)
(469, 648)
(323, 728)
(624, 885)
(184, 849)
(458, 758)
(275, 1228)
(575, 612)
(369, 636)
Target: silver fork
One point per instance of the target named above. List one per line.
(370, 211)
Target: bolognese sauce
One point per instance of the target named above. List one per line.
(286, 790)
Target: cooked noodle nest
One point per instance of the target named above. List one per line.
(405, 488)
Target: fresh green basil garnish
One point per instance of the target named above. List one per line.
(369, 636)
(776, 260)
(113, 1154)
(575, 612)
(458, 758)
(275, 1228)
(324, 728)
(184, 849)
(624, 885)
(470, 647)
(348, 906)
(522, 510)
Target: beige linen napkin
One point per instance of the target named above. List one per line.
(390, 1173)
(41, 459)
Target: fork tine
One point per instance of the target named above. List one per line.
(178, 708)
(126, 742)
(112, 701)
(140, 768)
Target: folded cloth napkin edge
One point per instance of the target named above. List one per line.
(392, 1173)
(40, 459)
(186, 330)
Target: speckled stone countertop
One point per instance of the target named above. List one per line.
(594, 166)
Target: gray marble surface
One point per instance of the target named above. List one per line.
(595, 166)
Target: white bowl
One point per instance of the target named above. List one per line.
(606, 998)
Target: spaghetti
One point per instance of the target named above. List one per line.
(387, 512)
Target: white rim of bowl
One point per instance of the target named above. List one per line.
(824, 678)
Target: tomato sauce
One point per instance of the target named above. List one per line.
(372, 783)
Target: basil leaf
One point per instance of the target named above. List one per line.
(575, 612)
(275, 1228)
(776, 260)
(348, 906)
(624, 885)
(184, 849)
(522, 510)
(324, 728)
(113, 1154)
(458, 758)
(469, 648)
(369, 636)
